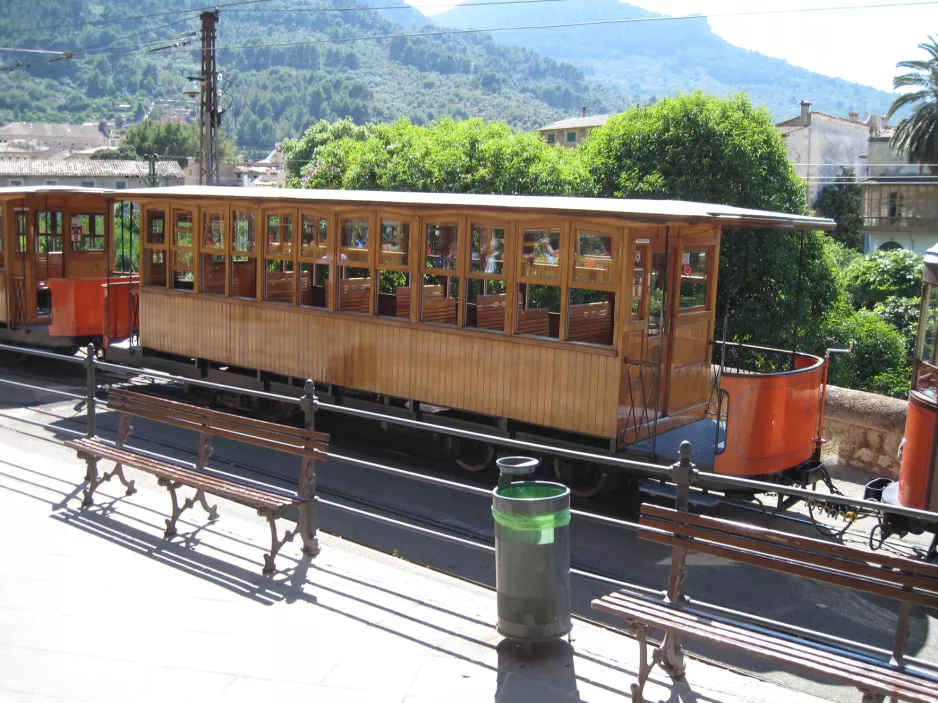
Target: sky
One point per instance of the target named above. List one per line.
(860, 45)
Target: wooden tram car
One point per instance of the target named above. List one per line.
(586, 321)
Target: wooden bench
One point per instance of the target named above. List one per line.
(590, 322)
(534, 322)
(279, 287)
(908, 581)
(439, 310)
(306, 444)
(490, 312)
(213, 277)
(354, 294)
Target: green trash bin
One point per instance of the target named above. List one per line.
(532, 560)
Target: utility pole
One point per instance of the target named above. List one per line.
(208, 103)
(152, 180)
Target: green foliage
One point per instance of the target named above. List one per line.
(843, 202)
(902, 315)
(126, 238)
(125, 152)
(456, 157)
(917, 133)
(299, 153)
(171, 141)
(874, 278)
(878, 361)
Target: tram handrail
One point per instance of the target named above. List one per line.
(722, 481)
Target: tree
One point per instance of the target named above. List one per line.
(124, 152)
(842, 201)
(725, 151)
(172, 141)
(917, 134)
(299, 153)
(873, 279)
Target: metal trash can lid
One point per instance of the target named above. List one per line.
(517, 465)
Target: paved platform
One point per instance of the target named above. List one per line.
(96, 606)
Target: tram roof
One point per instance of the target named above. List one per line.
(652, 211)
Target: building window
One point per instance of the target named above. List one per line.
(571, 137)
(16, 183)
(890, 246)
(121, 185)
(50, 183)
(551, 138)
(87, 184)
(87, 232)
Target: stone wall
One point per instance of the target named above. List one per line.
(863, 431)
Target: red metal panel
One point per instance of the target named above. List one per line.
(917, 471)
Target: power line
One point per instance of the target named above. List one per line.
(390, 7)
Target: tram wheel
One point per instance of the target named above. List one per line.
(584, 480)
(475, 456)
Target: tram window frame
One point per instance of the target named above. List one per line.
(350, 260)
(2, 234)
(317, 256)
(484, 279)
(521, 293)
(21, 224)
(150, 245)
(56, 230)
(280, 253)
(385, 270)
(582, 284)
(453, 288)
(213, 247)
(178, 251)
(249, 255)
(640, 312)
(693, 278)
(87, 239)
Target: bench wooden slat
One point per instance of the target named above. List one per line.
(817, 574)
(881, 679)
(194, 479)
(128, 398)
(859, 664)
(787, 539)
(833, 568)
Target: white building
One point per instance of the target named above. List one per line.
(571, 132)
(51, 138)
(820, 144)
(900, 198)
(88, 173)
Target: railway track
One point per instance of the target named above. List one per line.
(623, 504)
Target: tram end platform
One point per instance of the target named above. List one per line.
(96, 606)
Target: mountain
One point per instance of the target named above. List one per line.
(283, 67)
(649, 59)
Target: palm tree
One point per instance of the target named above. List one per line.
(917, 134)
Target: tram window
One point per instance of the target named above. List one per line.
(656, 293)
(280, 235)
(314, 285)
(488, 249)
(540, 254)
(243, 277)
(638, 282)
(538, 311)
(183, 278)
(314, 231)
(591, 316)
(439, 301)
(279, 281)
(486, 300)
(1, 237)
(21, 228)
(212, 274)
(49, 230)
(354, 289)
(593, 260)
(156, 227)
(355, 235)
(393, 294)
(930, 345)
(442, 247)
(87, 232)
(182, 237)
(213, 231)
(155, 273)
(395, 239)
(242, 231)
(694, 274)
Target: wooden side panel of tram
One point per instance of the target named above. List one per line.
(539, 383)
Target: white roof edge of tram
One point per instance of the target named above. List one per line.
(653, 210)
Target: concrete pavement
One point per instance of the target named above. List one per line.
(96, 606)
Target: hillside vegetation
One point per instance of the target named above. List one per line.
(649, 60)
(272, 91)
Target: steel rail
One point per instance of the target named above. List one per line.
(39, 352)
(41, 389)
(711, 479)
